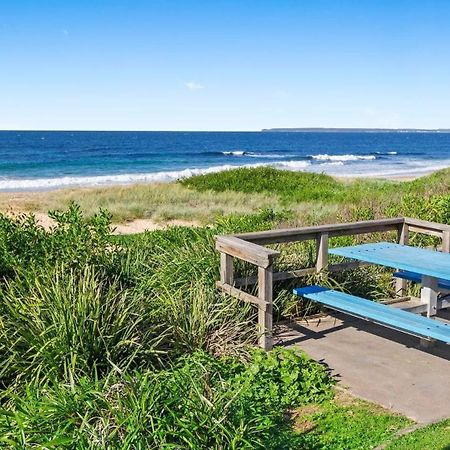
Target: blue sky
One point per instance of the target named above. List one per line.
(223, 64)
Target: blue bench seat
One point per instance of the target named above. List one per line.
(389, 316)
(417, 278)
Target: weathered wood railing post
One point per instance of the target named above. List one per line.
(226, 269)
(402, 238)
(446, 241)
(263, 258)
(321, 252)
(265, 308)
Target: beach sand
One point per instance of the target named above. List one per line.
(129, 227)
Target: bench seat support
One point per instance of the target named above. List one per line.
(417, 278)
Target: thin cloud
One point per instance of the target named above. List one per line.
(193, 86)
(65, 32)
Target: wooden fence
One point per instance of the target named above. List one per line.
(250, 247)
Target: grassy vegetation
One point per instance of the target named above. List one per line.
(158, 202)
(345, 422)
(124, 342)
(305, 187)
(312, 198)
(436, 437)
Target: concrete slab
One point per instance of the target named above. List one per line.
(378, 364)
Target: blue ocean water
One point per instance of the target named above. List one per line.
(34, 160)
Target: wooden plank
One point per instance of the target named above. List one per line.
(307, 233)
(277, 276)
(300, 273)
(247, 251)
(265, 319)
(226, 269)
(429, 232)
(403, 234)
(424, 224)
(240, 295)
(321, 252)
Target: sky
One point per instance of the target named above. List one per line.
(223, 64)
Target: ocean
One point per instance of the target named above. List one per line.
(42, 160)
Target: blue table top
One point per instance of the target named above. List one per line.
(403, 257)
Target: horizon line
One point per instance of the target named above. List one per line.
(287, 129)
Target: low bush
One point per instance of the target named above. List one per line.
(200, 402)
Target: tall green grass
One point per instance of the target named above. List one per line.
(66, 323)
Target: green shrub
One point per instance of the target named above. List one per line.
(74, 241)
(201, 403)
(298, 186)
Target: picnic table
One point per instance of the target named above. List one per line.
(430, 267)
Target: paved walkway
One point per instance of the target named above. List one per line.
(378, 364)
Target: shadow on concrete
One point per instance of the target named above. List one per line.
(300, 331)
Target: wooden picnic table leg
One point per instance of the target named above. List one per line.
(429, 294)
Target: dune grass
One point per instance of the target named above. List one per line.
(312, 198)
(304, 187)
(158, 202)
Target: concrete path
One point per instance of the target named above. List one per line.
(378, 364)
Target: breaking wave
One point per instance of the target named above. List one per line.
(327, 157)
(19, 184)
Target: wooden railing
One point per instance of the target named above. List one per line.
(250, 247)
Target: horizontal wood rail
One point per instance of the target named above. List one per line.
(250, 247)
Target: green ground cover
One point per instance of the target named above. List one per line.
(436, 437)
(124, 343)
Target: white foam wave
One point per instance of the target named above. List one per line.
(370, 170)
(334, 163)
(128, 178)
(291, 165)
(252, 154)
(234, 153)
(18, 184)
(326, 157)
(407, 171)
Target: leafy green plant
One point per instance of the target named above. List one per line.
(200, 402)
(74, 241)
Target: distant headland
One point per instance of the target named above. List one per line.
(359, 130)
